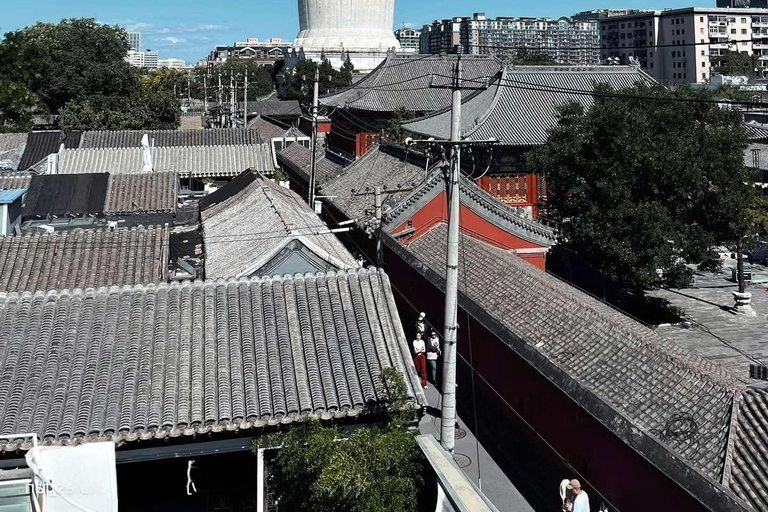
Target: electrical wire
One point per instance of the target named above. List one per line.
(544, 49)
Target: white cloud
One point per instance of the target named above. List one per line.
(173, 40)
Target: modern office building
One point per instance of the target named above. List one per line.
(744, 4)
(146, 59)
(266, 52)
(134, 40)
(409, 38)
(686, 45)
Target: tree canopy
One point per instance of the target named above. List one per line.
(299, 82)
(642, 186)
(78, 67)
(375, 469)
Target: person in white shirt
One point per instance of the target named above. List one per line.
(580, 501)
(433, 350)
(419, 349)
(421, 325)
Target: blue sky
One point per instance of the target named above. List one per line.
(188, 29)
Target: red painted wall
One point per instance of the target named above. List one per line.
(498, 187)
(436, 211)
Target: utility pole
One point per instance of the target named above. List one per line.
(245, 100)
(451, 327)
(450, 333)
(189, 88)
(231, 100)
(379, 242)
(220, 102)
(205, 93)
(313, 166)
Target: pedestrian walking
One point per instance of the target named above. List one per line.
(580, 501)
(419, 349)
(433, 351)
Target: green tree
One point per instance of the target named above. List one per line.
(299, 82)
(641, 187)
(525, 57)
(395, 124)
(735, 64)
(375, 469)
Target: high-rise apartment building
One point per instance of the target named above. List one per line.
(686, 45)
(565, 40)
(147, 59)
(134, 40)
(442, 36)
(150, 59)
(409, 38)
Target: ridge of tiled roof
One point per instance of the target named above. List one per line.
(260, 220)
(171, 360)
(198, 161)
(478, 201)
(402, 81)
(142, 193)
(84, 258)
(632, 379)
(299, 159)
(274, 107)
(383, 165)
(116, 139)
(521, 106)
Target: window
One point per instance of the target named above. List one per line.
(743, 31)
(674, 75)
(703, 64)
(651, 65)
(701, 30)
(733, 31)
(743, 20)
(683, 53)
(704, 76)
(703, 52)
(682, 31)
(701, 19)
(685, 76)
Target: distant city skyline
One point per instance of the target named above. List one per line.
(190, 29)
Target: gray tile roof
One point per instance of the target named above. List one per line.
(200, 161)
(168, 360)
(83, 258)
(44, 143)
(756, 132)
(244, 232)
(477, 201)
(268, 129)
(519, 108)
(382, 165)
(139, 193)
(12, 141)
(747, 475)
(11, 182)
(112, 139)
(274, 107)
(759, 149)
(402, 81)
(634, 372)
(299, 159)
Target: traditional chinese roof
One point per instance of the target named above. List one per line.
(275, 107)
(200, 161)
(299, 159)
(746, 475)
(383, 165)
(261, 223)
(83, 258)
(269, 129)
(477, 201)
(403, 82)
(635, 382)
(142, 193)
(112, 139)
(168, 360)
(519, 108)
(15, 181)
